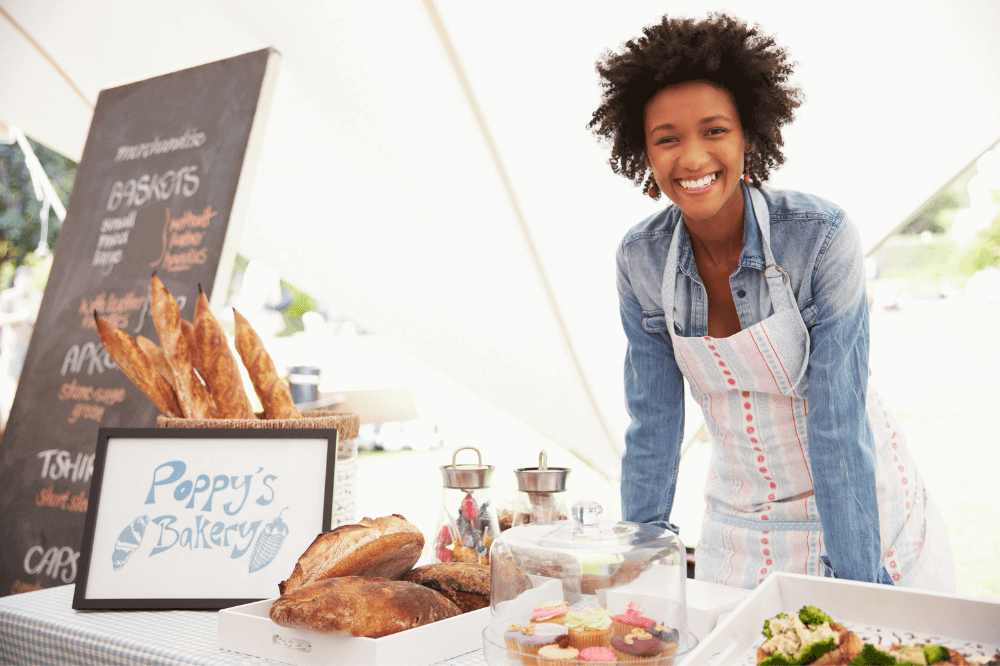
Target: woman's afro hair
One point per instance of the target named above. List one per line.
(720, 49)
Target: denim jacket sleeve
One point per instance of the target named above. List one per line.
(654, 397)
(841, 446)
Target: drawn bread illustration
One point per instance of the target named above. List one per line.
(268, 544)
(138, 367)
(128, 541)
(275, 396)
(217, 365)
(192, 395)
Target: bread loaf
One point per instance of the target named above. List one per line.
(129, 357)
(361, 606)
(386, 547)
(216, 363)
(467, 585)
(275, 395)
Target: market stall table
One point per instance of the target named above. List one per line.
(41, 627)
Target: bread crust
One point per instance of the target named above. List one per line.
(361, 606)
(138, 367)
(217, 365)
(467, 585)
(275, 396)
(192, 395)
(386, 547)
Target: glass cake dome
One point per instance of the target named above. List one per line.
(615, 588)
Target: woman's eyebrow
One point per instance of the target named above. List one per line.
(704, 121)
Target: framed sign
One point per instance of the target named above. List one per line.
(201, 518)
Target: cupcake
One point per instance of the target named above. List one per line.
(535, 636)
(510, 636)
(597, 654)
(559, 653)
(636, 646)
(630, 619)
(670, 639)
(552, 611)
(589, 628)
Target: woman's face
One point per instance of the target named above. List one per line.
(695, 147)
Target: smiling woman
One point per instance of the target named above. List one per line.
(757, 298)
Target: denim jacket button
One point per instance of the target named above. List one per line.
(741, 293)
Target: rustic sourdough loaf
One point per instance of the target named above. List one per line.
(467, 585)
(361, 606)
(386, 547)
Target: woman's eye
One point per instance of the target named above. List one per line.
(666, 139)
(717, 130)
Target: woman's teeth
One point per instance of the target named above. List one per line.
(697, 184)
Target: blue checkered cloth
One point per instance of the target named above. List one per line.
(42, 628)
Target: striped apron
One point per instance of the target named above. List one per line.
(761, 513)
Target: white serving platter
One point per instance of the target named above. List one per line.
(249, 630)
(877, 613)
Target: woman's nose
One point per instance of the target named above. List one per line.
(694, 156)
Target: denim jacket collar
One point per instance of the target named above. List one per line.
(752, 255)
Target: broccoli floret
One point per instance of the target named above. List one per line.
(778, 659)
(767, 625)
(813, 617)
(870, 656)
(936, 653)
(816, 650)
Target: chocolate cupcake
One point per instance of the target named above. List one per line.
(636, 646)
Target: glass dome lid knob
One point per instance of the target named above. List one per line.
(587, 512)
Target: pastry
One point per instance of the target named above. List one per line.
(386, 547)
(597, 655)
(636, 645)
(466, 584)
(193, 397)
(361, 606)
(274, 394)
(552, 611)
(217, 365)
(630, 619)
(138, 367)
(534, 636)
(589, 628)
(559, 653)
(510, 636)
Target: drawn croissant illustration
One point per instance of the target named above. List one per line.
(128, 541)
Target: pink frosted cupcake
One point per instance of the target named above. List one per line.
(597, 655)
(552, 611)
(630, 619)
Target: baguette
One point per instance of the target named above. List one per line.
(192, 395)
(275, 396)
(361, 606)
(386, 547)
(156, 355)
(217, 365)
(130, 358)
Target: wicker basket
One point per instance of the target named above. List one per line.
(346, 482)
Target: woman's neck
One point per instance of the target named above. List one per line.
(718, 242)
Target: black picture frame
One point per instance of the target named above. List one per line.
(126, 452)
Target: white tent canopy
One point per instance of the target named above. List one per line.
(427, 171)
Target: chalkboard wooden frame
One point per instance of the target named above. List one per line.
(117, 451)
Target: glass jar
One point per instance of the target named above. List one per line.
(467, 523)
(539, 500)
(621, 586)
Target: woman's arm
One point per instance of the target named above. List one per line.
(841, 447)
(654, 397)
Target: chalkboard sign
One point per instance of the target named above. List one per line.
(161, 187)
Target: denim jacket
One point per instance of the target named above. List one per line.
(819, 248)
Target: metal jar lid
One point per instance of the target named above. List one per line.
(542, 479)
(466, 476)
